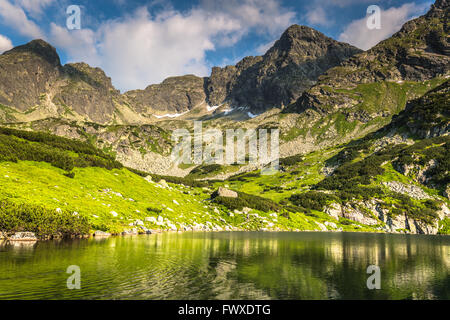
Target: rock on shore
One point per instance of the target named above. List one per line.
(23, 236)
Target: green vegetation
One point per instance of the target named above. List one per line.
(42, 221)
(187, 181)
(60, 152)
(211, 170)
(312, 200)
(292, 160)
(247, 200)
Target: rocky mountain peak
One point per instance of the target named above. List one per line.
(175, 95)
(418, 52)
(95, 77)
(300, 33)
(300, 38)
(441, 4)
(277, 78)
(40, 48)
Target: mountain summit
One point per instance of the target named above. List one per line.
(277, 78)
(40, 48)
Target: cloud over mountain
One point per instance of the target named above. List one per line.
(358, 34)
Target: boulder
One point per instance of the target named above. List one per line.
(410, 190)
(321, 226)
(224, 192)
(246, 210)
(23, 236)
(330, 224)
(150, 219)
(447, 191)
(144, 230)
(99, 234)
(131, 232)
(163, 183)
(334, 210)
(395, 222)
(355, 214)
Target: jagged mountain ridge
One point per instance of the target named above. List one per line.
(289, 67)
(32, 77)
(418, 52)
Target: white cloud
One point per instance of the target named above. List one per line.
(266, 16)
(317, 16)
(14, 16)
(5, 44)
(262, 49)
(141, 49)
(343, 3)
(358, 34)
(34, 7)
(78, 44)
(319, 12)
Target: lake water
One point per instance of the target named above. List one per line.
(230, 265)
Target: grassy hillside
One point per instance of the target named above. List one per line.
(56, 186)
(60, 187)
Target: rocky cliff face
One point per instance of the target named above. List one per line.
(26, 72)
(418, 52)
(174, 95)
(87, 91)
(276, 79)
(32, 80)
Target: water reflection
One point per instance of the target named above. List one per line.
(238, 265)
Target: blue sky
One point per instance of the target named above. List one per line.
(138, 43)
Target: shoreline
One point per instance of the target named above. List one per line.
(116, 235)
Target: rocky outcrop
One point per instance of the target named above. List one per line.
(410, 190)
(373, 212)
(101, 234)
(351, 211)
(22, 84)
(277, 78)
(173, 96)
(447, 191)
(355, 213)
(23, 236)
(224, 192)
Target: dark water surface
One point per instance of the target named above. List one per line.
(230, 265)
